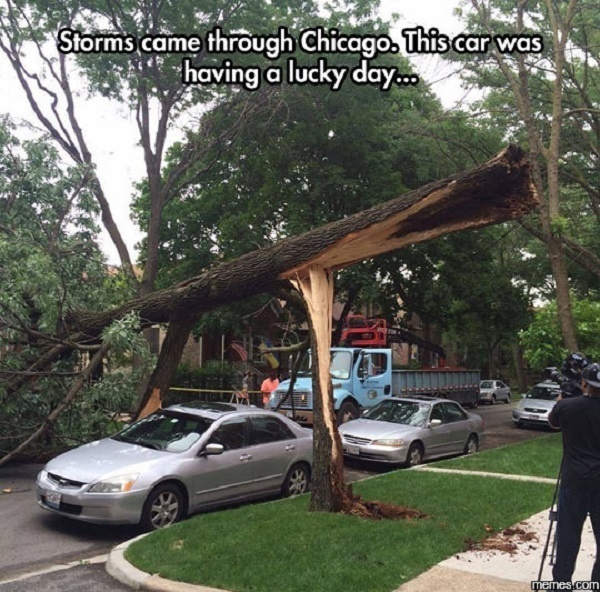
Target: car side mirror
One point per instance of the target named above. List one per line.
(435, 422)
(213, 449)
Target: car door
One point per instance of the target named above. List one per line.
(274, 448)
(438, 439)
(503, 390)
(373, 376)
(226, 476)
(458, 424)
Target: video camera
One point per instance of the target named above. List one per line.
(569, 377)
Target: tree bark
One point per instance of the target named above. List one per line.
(496, 191)
(328, 490)
(166, 365)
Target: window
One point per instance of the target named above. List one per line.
(453, 412)
(437, 413)
(341, 364)
(373, 364)
(165, 430)
(266, 429)
(231, 434)
(413, 414)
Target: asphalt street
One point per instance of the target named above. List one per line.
(76, 579)
(32, 539)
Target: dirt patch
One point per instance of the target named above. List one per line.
(509, 540)
(376, 510)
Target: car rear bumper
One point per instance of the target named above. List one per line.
(95, 508)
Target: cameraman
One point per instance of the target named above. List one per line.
(579, 494)
(569, 378)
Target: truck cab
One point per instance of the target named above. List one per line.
(360, 378)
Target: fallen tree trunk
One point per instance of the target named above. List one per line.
(494, 192)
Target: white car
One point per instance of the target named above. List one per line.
(535, 406)
(491, 391)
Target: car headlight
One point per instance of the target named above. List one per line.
(117, 484)
(392, 443)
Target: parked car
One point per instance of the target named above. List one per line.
(535, 406)
(178, 461)
(492, 391)
(410, 430)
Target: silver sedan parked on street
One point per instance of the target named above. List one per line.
(409, 430)
(534, 408)
(492, 391)
(178, 461)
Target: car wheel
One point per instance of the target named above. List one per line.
(163, 507)
(493, 401)
(347, 412)
(472, 445)
(414, 456)
(296, 481)
(508, 399)
(519, 424)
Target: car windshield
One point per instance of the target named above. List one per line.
(164, 430)
(487, 384)
(543, 392)
(340, 368)
(403, 412)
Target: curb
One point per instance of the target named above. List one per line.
(120, 569)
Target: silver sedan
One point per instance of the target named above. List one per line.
(176, 462)
(535, 406)
(410, 430)
(491, 391)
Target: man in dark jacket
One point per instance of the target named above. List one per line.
(579, 493)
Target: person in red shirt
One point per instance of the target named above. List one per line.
(268, 385)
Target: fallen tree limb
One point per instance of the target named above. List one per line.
(494, 192)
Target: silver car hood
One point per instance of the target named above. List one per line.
(375, 429)
(537, 404)
(101, 458)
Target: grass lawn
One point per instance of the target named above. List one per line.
(538, 458)
(280, 546)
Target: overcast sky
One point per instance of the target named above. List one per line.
(112, 135)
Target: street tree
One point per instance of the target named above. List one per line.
(494, 192)
(551, 105)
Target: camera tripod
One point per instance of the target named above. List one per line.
(553, 516)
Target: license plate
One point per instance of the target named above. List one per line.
(290, 414)
(352, 449)
(534, 417)
(53, 499)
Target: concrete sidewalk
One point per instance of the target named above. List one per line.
(495, 570)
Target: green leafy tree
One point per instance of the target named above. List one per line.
(50, 265)
(551, 108)
(542, 341)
